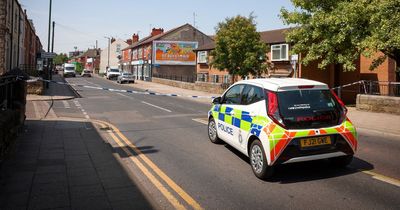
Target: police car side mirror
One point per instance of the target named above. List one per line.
(217, 100)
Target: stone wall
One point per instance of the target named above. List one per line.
(35, 87)
(2, 36)
(199, 86)
(375, 103)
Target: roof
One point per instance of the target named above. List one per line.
(208, 46)
(276, 84)
(91, 53)
(269, 37)
(150, 38)
(274, 36)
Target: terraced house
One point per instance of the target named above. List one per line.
(18, 39)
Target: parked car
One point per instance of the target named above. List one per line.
(86, 73)
(125, 77)
(283, 120)
(112, 73)
(69, 70)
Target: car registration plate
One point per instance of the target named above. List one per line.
(315, 141)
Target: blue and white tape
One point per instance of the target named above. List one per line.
(125, 91)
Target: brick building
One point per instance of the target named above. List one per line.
(166, 54)
(18, 39)
(278, 56)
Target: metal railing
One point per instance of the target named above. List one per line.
(6, 91)
(181, 78)
(383, 88)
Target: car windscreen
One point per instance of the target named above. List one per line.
(114, 70)
(69, 68)
(310, 108)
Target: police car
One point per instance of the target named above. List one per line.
(283, 120)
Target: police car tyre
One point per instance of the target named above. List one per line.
(258, 161)
(342, 161)
(212, 132)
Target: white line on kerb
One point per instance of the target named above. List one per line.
(167, 110)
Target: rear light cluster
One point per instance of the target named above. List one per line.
(273, 109)
(343, 111)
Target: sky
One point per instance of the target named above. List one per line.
(79, 23)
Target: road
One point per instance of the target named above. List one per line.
(168, 133)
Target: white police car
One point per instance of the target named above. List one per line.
(283, 120)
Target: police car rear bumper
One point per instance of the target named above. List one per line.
(294, 153)
(315, 157)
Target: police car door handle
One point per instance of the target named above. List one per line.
(231, 113)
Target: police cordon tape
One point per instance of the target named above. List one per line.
(122, 90)
(158, 94)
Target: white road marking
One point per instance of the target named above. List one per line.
(77, 104)
(201, 120)
(66, 105)
(121, 94)
(158, 107)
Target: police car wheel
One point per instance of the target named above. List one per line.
(342, 161)
(258, 161)
(212, 132)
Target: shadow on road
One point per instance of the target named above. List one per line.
(310, 170)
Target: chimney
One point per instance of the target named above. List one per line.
(112, 40)
(135, 38)
(157, 31)
(129, 41)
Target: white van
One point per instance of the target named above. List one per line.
(69, 70)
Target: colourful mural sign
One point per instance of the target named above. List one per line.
(174, 53)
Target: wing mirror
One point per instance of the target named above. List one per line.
(217, 100)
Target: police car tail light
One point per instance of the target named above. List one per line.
(273, 110)
(344, 109)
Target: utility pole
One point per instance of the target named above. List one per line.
(48, 47)
(52, 50)
(96, 44)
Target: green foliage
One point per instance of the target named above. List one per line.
(239, 49)
(78, 67)
(339, 31)
(60, 59)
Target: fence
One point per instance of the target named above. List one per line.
(6, 91)
(31, 70)
(181, 78)
(382, 88)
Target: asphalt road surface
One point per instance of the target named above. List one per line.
(169, 132)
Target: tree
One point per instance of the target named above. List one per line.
(339, 31)
(60, 59)
(239, 49)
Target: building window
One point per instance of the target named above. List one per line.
(202, 77)
(202, 57)
(227, 79)
(118, 50)
(280, 52)
(214, 78)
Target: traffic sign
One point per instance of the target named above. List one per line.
(47, 55)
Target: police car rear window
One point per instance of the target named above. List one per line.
(308, 108)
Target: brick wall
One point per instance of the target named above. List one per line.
(378, 103)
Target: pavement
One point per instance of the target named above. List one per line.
(61, 163)
(54, 92)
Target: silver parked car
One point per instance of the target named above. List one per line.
(125, 77)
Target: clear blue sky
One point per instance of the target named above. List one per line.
(81, 22)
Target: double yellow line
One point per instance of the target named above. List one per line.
(140, 160)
